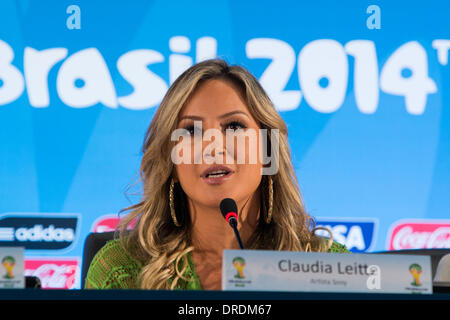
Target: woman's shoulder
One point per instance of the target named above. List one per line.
(335, 247)
(112, 268)
(338, 248)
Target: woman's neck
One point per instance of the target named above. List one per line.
(211, 234)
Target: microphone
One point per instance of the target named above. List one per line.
(443, 269)
(229, 211)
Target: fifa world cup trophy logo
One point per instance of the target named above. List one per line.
(8, 263)
(416, 272)
(239, 264)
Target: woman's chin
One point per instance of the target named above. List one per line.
(213, 200)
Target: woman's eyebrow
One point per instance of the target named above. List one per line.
(220, 117)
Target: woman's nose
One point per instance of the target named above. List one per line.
(214, 150)
(214, 145)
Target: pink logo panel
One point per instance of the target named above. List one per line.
(419, 235)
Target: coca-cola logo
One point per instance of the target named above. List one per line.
(54, 274)
(419, 235)
(105, 223)
(108, 223)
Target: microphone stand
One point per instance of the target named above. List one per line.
(233, 224)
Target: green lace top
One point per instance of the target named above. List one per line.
(113, 268)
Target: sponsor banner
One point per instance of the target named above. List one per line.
(107, 223)
(357, 234)
(38, 231)
(55, 272)
(419, 234)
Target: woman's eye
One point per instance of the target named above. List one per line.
(235, 125)
(191, 129)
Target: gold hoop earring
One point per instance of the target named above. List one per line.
(172, 204)
(330, 240)
(269, 211)
(308, 247)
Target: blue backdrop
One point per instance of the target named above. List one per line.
(364, 87)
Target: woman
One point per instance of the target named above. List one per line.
(179, 234)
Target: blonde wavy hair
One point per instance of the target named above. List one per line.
(154, 240)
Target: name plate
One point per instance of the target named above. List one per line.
(260, 270)
(12, 268)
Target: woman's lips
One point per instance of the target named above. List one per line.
(212, 180)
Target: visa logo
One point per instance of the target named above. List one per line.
(357, 234)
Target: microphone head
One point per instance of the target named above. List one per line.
(228, 208)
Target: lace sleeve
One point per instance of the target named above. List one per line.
(338, 248)
(112, 268)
